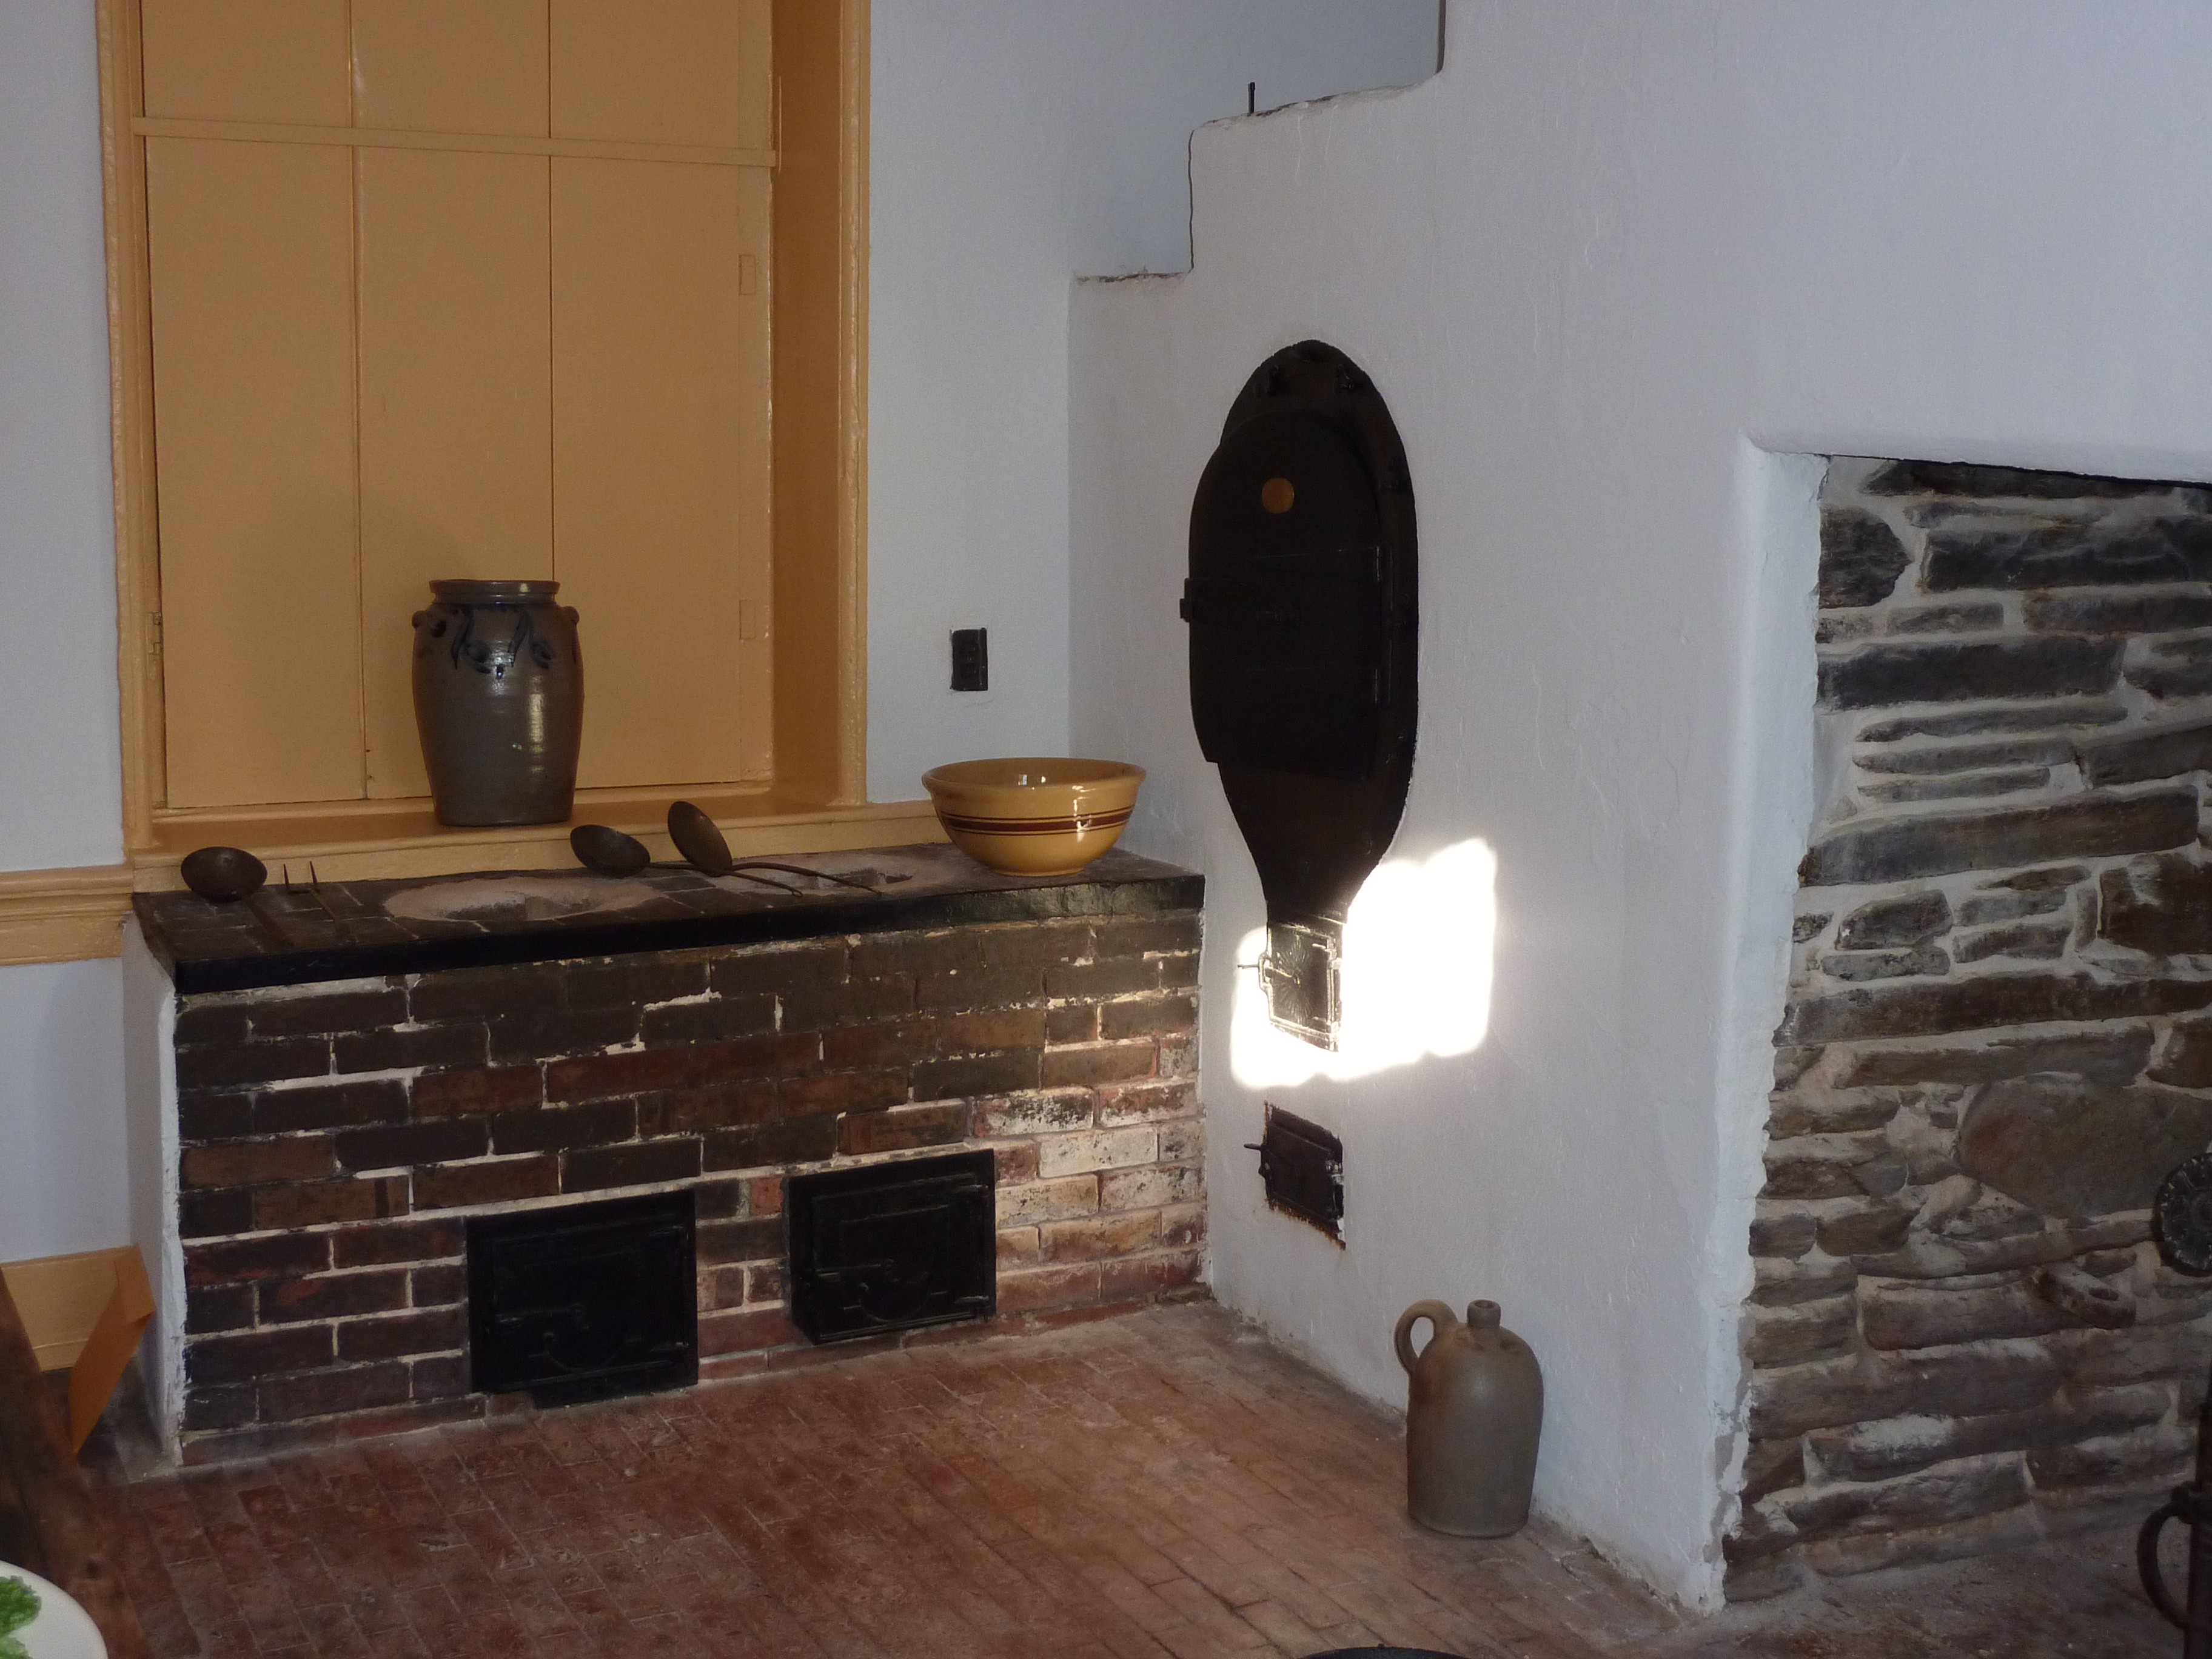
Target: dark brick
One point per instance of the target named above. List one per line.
(228, 1064)
(1952, 1492)
(841, 1091)
(818, 1008)
(2174, 668)
(229, 1408)
(764, 1282)
(1792, 1334)
(290, 1301)
(694, 1111)
(199, 1022)
(1975, 618)
(744, 1332)
(212, 1214)
(1179, 973)
(920, 956)
(210, 1308)
(204, 1115)
(402, 1145)
(456, 1185)
(395, 1241)
(709, 1022)
(719, 1200)
(1861, 558)
(2159, 906)
(1948, 671)
(1785, 1236)
(255, 1258)
(446, 1377)
(1772, 1466)
(1897, 1314)
(519, 1039)
(254, 1163)
(2139, 754)
(629, 1166)
(394, 1338)
(780, 970)
(2071, 1147)
(987, 1030)
(450, 1093)
(1074, 1022)
(434, 1286)
(781, 1054)
(600, 1076)
(622, 982)
(324, 1016)
(1107, 1062)
(980, 988)
(2116, 1055)
(1968, 756)
(1134, 936)
(2041, 553)
(1967, 786)
(883, 1043)
(979, 1074)
(561, 1128)
(757, 1240)
(255, 1355)
(326, 1394)
(795, 1140)
(860, 1134)
(331, 1106)
(442, 1046)
(1877, 1450)
(1931, 1008)
(462, 993)
(1116, 976)
(2002, 901)
(1137, 1016)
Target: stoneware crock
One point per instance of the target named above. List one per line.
(499, 701)
(1474, 1408)
(1034, 815)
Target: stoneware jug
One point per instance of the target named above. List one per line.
(499, 699)
(1473, 1409)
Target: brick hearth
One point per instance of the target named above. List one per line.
(333, 1134)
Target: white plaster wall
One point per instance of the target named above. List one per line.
(62, 1150)
(1013, 145)
(1612, 268)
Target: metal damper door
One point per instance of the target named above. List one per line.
(1304, 633)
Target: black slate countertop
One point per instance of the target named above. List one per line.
(301, 935)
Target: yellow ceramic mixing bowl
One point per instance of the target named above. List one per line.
(1034, 815)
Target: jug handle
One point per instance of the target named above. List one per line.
(1439, 1316)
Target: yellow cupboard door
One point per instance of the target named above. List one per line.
(456, 408)
(660, 446)
(251, 249)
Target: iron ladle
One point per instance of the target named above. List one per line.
(608, 851)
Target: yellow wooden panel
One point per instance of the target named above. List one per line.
(443, 67)
(456, 407)
(251, 249)
(660, 448)
(247, 60)
(664, 71)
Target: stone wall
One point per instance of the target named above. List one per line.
(1995, 1044)
(334, 1135)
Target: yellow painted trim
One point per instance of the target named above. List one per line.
(77, 915)
(272, 133)
(821, 782)
(62, 915)
(61, 1297)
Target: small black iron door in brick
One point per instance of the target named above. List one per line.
(893, 1246)
(1304, 631)
(585, 1302)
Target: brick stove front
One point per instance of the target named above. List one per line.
(334, 1131)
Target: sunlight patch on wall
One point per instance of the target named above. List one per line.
(1416, 974)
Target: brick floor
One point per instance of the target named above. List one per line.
(1160, 1484)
